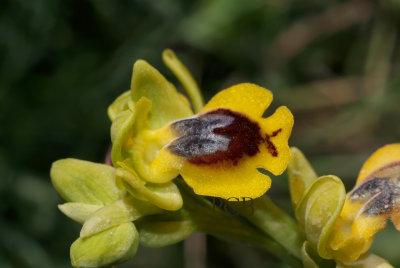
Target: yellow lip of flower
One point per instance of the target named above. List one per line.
(374, 199)
(218, 151)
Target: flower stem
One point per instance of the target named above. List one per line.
(274, 222)
(184, 76)
(249, 229)
(231, 228)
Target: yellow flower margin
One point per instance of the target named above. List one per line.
(354, 231)
(222, 179)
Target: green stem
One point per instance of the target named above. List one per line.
(231, 228)
(184, 76)
(274, 222)
(219, 223)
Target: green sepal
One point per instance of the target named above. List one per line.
(184, 76)
(301, 175)
(163, 230)
(121, 103)
(366, 260)
(122, 211)
(78, 212)
(163, 195)
(310, 258)
(85, 182)
(318, 210)
(168, 105)
(109, 247)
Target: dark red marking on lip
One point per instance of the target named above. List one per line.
(245, 138)
(270, 146)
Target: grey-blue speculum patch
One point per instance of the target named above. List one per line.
(218, 135)
(380, 192)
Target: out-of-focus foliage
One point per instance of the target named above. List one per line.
(336, 64)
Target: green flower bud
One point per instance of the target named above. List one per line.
(109, 247)
(122, 211)
(318, 210)
(79, 212)
(85, 182)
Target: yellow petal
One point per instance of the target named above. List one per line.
(367, 226)
(347, 248)
(246, 98)
(225, 180)
(350, 210)
(382, 157)
(278, 128)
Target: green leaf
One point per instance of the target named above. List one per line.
(318, 210)
(168, 104)
(122, 211)
(79, 212)
(109, 247)
(301, 175)
(85, 182)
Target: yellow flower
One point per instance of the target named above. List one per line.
(374, 199)
(218, 151)
(339, 226)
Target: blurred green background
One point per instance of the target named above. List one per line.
(335, 64)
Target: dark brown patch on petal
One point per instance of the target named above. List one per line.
(219, 135)
(245, 138)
